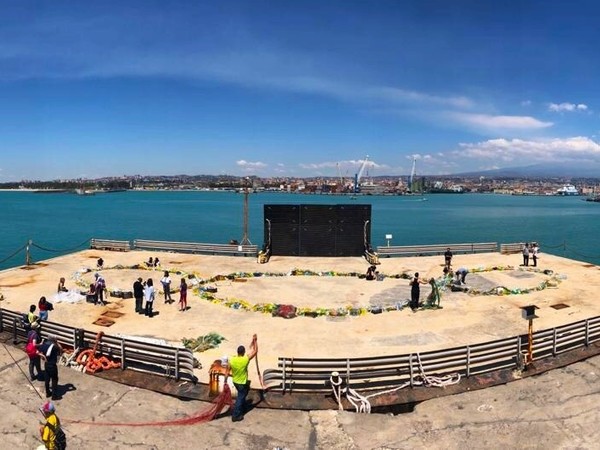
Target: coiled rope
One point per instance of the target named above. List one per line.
(362, 404)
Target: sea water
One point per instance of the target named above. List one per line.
(62, 223)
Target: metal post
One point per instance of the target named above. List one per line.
(284, 377)
(468, 361)
(122, 354)
(177, 364)
(410, 365)
(587, 332)
(245, 239)
(530, 343)
(348, 372)
(554, 343)
(1, 321)
(15, 331)
(27, 253)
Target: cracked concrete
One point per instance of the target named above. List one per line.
(556, 410)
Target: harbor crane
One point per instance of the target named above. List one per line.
(358, 176)
(412, 175)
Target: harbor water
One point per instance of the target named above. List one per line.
(61, 223)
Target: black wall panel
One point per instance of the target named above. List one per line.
(317, 230)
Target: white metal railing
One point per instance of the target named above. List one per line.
(168, 361)
(308, 374)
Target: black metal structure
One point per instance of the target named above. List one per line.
(317, 230)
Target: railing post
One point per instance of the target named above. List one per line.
(15, 331)
(587, 332)
(410, 366)
(283, 384)
(123, 359)
(74, 338)
(554, 342)
(468, 361)
(1, 320)
(348, 372)
(177, 364)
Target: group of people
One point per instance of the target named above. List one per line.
(456, 277)
(48, 351)
(145, 291)
(153, 263)
(33, 320)
(530, 251)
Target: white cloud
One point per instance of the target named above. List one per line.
(343, 166)
(526, 103)
(248, 165)
(527, 151)
(567, 107)
(490, 122)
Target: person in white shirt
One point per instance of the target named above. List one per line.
(149, 293)
(166, 283)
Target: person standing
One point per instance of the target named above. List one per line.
(526, 254)
(100, 286)
(183, 295)
(534, 253)
(50, 351)
(138, 294)
(239, 373)
(31, 316)
(447, 258)
(52, 434)
(149, 293)
(415, 291)
(166, 284)
(34, 358)
(44, 306)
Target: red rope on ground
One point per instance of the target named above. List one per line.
(218, 404)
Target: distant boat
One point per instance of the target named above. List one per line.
(567, 190)
(593, 198)
(50, 191)
(81, 191)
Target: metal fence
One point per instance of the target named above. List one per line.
(164, 360)
(305, 374)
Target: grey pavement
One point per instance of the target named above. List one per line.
(556, 410)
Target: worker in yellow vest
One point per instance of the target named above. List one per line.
(239, 373)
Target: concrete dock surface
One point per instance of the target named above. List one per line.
(554, 410)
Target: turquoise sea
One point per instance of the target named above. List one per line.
(61, 223)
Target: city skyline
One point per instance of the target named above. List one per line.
(295, 89)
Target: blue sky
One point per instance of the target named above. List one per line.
(288, 88)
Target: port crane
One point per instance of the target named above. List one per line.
(358, 175)
(412, 174)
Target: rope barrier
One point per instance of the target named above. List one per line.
(583, 255)
(563, 245)
(13, 255)
(60, 251)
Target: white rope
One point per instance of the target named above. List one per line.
(336, 387)
(361, 402)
